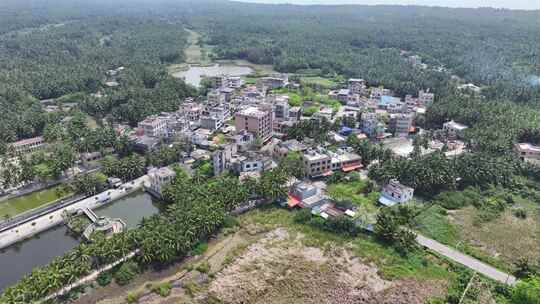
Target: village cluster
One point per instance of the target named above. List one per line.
(241, 128)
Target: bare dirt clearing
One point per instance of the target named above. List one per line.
(279, 269)
(261, 261)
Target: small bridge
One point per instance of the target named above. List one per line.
(90, 214)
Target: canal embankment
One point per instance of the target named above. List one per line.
(27, 227)
(22, 257)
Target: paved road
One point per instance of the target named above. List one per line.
(40, 211)
(44, 221)
(466, 260)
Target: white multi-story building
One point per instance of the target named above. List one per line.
(528, 152)
(403, 124)
(235, 82)
(345, 161)
(453, 128)
(154, 126)
(159, 179)
(426, 98)
(377, 93)
(222, 158)
(192, 111)
(395, 193)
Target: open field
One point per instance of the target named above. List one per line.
(500, 242)
(30, 201)
(354, 192)
(193, 52)
(260, 69)
(319, 81)
(507, 238)
(268, 258)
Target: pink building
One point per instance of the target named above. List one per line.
(257, 120)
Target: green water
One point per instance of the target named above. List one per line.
(20, 259)
(14, 206)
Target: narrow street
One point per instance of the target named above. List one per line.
(465, 260)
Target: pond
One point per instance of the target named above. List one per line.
(19, 260)
(194, 74)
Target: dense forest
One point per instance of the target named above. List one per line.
(485, 46)
(49, 51)
(69, 55)
(64, 52)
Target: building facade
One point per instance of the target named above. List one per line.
(257, 120)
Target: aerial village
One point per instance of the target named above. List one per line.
(243, 129)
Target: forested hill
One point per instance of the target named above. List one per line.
(53, 48)
(485, 46)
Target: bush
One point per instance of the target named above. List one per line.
(302, 216)
(104, 278)
(343, 225)
(451, 200)
(520, 213)
(200, 248)
(230, 222)
(163, 289)
(191, 288)
(133, 297)
(204, 267)
(527, 291)
(126, 273)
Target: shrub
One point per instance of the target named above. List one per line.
(104, 278)
(191, 288)
(520, 213)
(302, 216)
(451, 200)
(204, 267)
(230, 222)
(126, 273)
(527, 291)
(200, 248)
(133, 297)
(163, 289)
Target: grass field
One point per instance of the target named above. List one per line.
(33, 200)
(506, 238)
(319, 81)
(353, 192)
(500, 242)
(193, 52)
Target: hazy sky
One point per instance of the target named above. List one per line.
(513, 4)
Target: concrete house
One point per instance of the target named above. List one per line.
(395, 193)
(528, 152)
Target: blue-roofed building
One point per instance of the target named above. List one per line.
(345, 131)
(395, 193)
(387, 101)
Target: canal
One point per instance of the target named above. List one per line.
(19, 259)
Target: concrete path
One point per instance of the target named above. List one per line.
(466, 260)
(89, 278)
